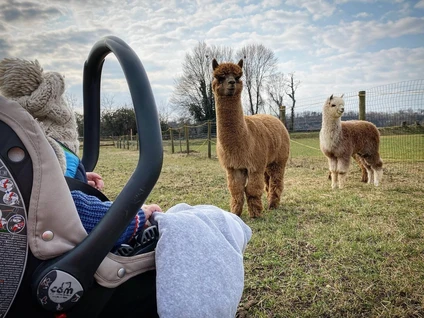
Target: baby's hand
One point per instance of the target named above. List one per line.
(95, 180)
(148, 209)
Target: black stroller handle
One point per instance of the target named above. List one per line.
(83, 261)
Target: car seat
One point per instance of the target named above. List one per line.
(49, 266)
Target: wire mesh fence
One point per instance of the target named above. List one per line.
(396, 109)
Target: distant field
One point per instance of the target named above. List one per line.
(356, 252)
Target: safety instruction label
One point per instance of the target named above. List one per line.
(13, 239)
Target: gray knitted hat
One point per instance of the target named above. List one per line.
(41, 94)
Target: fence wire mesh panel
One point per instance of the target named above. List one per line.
(396, 109)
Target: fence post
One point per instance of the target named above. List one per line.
(283, 114)
(361, 95)
(209, 139)
(179, 138)
(172, 140)
(186, 134)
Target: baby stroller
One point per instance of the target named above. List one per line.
(49, 267)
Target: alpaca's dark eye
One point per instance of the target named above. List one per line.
(333, 105)
(220, 78)
(237, 78)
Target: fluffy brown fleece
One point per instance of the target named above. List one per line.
(252, 149)
(339, 141)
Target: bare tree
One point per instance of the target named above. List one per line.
(107, 102)
(275, 87)
(193, 90)
(72, 101)
(292, 86)
(165, 113)
(259, 63)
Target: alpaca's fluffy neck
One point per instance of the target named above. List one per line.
(331, 132)
(231, 126)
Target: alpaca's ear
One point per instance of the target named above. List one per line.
(342, 96)
(240, 63)
(331, 97)
(214, 64)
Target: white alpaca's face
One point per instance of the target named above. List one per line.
(335, 106)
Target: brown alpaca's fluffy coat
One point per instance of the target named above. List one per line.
(339, 141)
(252, 149)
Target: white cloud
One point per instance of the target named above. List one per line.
(318, 8)
(356, 35)
(362, 15)
(61, 34)
(419, 5)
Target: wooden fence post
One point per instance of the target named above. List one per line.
(209, 139)
(187, 139)
(283, 114)
(172, 140)
(361, 95)
(179, 138)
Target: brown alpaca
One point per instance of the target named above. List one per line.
(252, 149)
(339, 141)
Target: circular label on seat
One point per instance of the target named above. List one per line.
(59, 291)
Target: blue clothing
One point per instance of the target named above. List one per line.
(74, 166)
(90, 208)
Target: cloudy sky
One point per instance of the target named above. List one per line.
(333, 46)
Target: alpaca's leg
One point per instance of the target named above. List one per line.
(254, 191)
(370, 173)
(342, 168)
(361, 164)
(377, 169)
(332, 163)
(378, 175)
(236, 181)
(267, 185)
(276, 184)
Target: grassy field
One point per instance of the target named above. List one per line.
(392, 148)
(356, 252)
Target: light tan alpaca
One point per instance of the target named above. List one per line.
(339, 141)
(252, 149)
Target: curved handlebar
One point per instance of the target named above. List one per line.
(94, 248)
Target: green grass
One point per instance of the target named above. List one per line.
(356, 252)
(392, 147)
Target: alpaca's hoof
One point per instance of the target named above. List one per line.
(273, 206)
(255, 214)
